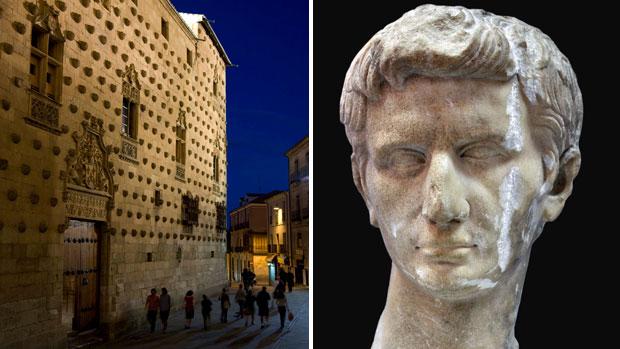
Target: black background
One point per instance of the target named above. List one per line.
(570, 284)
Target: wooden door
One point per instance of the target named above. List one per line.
(81, 276)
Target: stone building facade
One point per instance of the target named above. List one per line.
(248, 240)
(277, 236)
(299, 197)
(112, 164)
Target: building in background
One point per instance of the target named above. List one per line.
(298, 169)
(277, 238)
(113, 164)
(249, 237)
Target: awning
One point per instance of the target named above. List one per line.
(273, 258)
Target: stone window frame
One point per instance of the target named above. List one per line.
(129, 118)
(216, 168)
(165, 29)
(180, 146)
(181, 134)
(46, 54)
(190, 57)
(131, 102)
(130, 109)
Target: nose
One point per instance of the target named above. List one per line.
(444, 203)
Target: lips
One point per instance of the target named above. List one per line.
(446, 254)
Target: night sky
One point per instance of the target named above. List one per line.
(267, 94)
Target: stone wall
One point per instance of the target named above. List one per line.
(105, 49)
(300, 210)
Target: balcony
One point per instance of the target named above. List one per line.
(241, 226)
(296, 216)
(276, 248)
(298, 176)
(258, 250)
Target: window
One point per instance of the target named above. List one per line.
(130, 109)
(164, 28)
(106, 4)
(296, 168)
(158, 200)
(277, 216)
(129, 118)
(189, 210)
(190, 57)
(215, 86)
(216, 168)
(299, 240)
(45, 63)
(180, 130)
(180, 145)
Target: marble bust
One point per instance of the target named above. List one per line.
(465, 131)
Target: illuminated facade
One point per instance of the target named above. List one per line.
(277, 237)
(113, 164)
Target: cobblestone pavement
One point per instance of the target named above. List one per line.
(233, 334)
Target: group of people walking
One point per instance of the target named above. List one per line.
(155, 303)
(249, 279)
(244, 298)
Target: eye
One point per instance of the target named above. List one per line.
(482, 152)
(405, 162)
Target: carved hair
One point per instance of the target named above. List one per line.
(455, 42)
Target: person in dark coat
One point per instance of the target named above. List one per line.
(188, 304)
(280, 300)
(206, 310)
(249, 307)
(290, 280)
(262, 300)
(164, 308)
(282, 280)
(152, 304)
(248, 278)
(225, 305)
(240, 299)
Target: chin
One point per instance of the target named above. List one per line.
(451, 283)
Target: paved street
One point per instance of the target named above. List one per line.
(233, 334)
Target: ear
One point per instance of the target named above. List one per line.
(360, 184)
(562, 185)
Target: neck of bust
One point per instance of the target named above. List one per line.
(413, 318)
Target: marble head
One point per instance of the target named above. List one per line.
(464, 127)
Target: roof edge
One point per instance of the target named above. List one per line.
(211, 33)
(176, 14)
(297, 145)
(205, 22)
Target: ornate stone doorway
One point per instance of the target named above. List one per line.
(89, 199)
